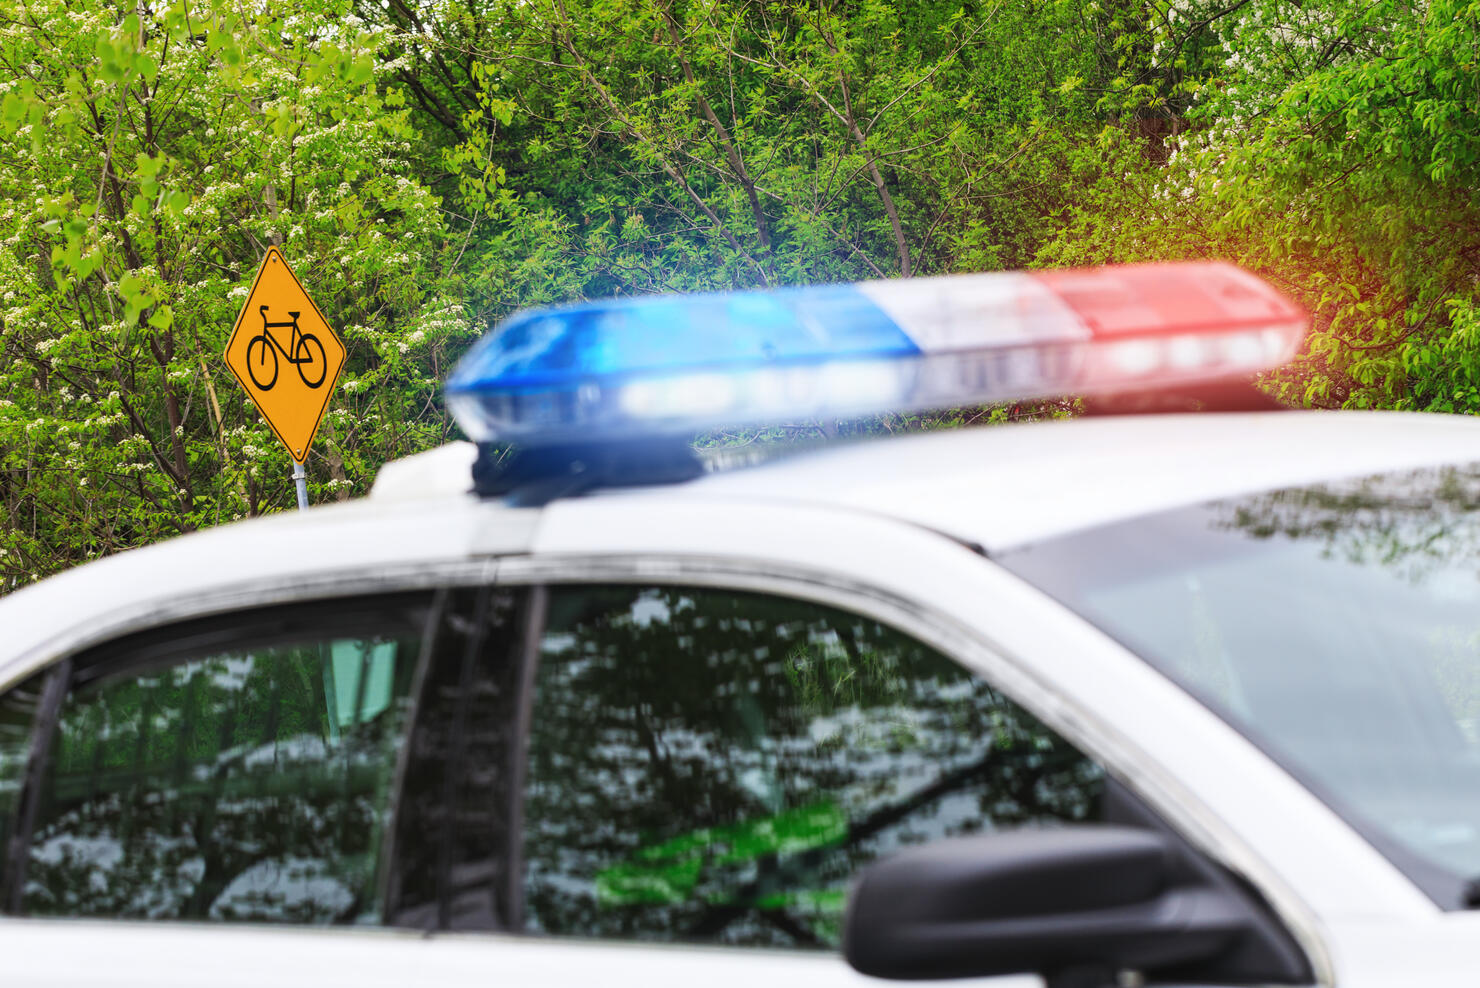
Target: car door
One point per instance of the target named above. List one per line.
(179, 804)
(633, 782)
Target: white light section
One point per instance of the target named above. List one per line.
(872, 384)
(954, 312)
(1154, 362)
(1133, 358)
(1244, 350)
(687, 396)
(1187, 353)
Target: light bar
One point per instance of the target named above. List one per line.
(680, 364)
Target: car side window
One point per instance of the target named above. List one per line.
(240, 769)
(714, 766)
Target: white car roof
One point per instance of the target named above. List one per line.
(1004, 486)
(995, 487)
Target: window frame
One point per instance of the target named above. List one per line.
(282, 622)
(534, 574)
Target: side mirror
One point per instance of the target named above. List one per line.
(1076, 905)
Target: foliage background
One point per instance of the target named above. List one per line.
(429, 165)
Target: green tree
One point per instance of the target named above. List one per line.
(1335, 148)
(154, 153)
(668, 146)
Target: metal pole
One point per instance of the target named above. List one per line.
(300, 480)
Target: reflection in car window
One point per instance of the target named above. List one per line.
(1337, 625)
(17, 718)
(245, 784)
(714, 766)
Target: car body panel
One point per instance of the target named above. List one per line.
(890, 529)
(71, 954)
(1007, 486)
(1436, 954)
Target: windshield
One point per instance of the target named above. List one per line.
(1336, 626)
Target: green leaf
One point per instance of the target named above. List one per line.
(147, 166)
(132, 290)
(13, 110)
(362, 70)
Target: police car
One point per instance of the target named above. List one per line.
(1187, 699)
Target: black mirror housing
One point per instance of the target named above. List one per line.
(1073, 904)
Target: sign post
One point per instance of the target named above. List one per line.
(286, 356)
(300, 482)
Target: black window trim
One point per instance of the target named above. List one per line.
(389, 887)
(532, 610)
(457, 756)
(536, 612)
(43, 731)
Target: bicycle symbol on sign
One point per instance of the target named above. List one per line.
(306, 349)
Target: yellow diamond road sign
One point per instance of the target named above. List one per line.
(284, 353)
